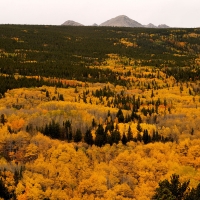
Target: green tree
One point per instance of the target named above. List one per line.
(130, 134)
(145, 137)
(3, 190)
(100, 139)
(78, 136)
(94, 124)
(61, 98)
(88, 137)
(115, 136)
(124, 139)
(68, 130)
(171, 190)
(2, 119)
(194, 194)
(139, 128)
(120, 116)
(47, 94)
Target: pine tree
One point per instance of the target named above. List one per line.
(124, 139)
(101, 138)
(3, 190)
(2, 119)
(139, 137)
(172, 189)
(94, 124)
(139, 128)
(145, 137)
(88, 137)
(120, 116)
(194, 194)
(129, 135)
(78, 136)
(61, 98)
(68, 130)
(115, 136)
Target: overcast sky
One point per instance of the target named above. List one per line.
(175, 13)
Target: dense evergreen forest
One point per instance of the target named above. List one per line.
(69, 52)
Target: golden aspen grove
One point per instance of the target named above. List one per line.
(99, 113)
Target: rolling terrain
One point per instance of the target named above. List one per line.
(98, 112)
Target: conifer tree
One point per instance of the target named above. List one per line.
(172, 189)
(78, 136)
(88, 137)
(3, 190)
(145, 137)
(100, 139)
(129, 135)
(124, 139)
(115, 136)
(120, 116)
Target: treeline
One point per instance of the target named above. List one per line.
(184, 74)
(104, 133)
(127, 102)
(66, 52)
(11, 82)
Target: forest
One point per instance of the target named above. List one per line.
(99, 113)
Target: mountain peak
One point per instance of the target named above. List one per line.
(150, 25)
(163, 26)
(71, 23)
(94, 24)
(121, 21)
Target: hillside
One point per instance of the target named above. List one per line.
(67, 52)
(98, 112)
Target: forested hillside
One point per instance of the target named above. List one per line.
(67, 52)
(98, 112)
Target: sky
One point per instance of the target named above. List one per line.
(174, 13)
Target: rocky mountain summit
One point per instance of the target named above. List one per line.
(71, 23)
(119, 21)
(150, 25)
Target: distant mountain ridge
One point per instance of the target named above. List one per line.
(71, 23)
(119, 21)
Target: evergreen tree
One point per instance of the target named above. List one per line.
(88, 137)
(61, 98)
(130, 134)
(3, 190)
(154, 136)
(124, 139)
(120, 116)
(172, 190)
(194, 194)
(139, 128)
(100, 139)
(94, 124)
(47, 94)
(2, 119)
(152, 94)
(139, 137)
(78, 136)
(68, 130)
(145, 137)
(115, 136)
